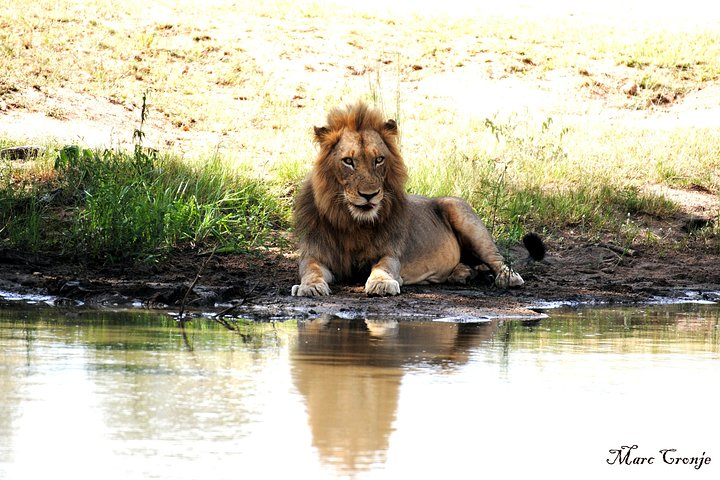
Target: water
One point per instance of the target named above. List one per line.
(128, 395)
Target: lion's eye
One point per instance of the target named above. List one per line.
(379, 161)
(348, 161)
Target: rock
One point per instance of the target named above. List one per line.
(26, 152)
(663, 99)
(629, 88)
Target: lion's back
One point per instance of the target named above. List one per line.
(430, 242)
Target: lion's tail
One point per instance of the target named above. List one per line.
(535, 246)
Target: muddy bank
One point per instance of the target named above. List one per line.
(574, 272)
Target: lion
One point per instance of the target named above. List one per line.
(353, 217)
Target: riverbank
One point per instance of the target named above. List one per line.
(575, 272)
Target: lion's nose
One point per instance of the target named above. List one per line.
(368, 196)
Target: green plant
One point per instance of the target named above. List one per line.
(112, 206)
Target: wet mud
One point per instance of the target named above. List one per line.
(258, 286)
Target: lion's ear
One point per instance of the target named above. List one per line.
(391, 127)
(321, 134)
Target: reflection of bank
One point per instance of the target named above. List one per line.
(349, 372)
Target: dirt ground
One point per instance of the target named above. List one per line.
(574, 272)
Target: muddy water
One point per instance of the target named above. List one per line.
(128, 395)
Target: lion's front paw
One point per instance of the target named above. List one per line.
(312, 290)
(508, 278)
(382, 287)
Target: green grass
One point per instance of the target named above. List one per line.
(114, 206)
(523, 178)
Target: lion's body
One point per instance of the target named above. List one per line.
(353, 217)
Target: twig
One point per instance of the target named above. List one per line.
(192, 285)
(232, 307)
(219, 317)
(229, 309)
(496, 197)
(225, 323)
(629, 252)
(186, 340)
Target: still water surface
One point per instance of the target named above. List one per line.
(128, 396)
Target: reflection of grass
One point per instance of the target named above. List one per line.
(622, 330)
(138, 331)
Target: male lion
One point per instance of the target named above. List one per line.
(353, 217)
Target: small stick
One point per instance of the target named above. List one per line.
(232, 307)
(192, 285)
(220, 316)
(617, 250)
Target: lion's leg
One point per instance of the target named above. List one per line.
(461, 274)
(473, 236)
(314, 279)
(384, 277)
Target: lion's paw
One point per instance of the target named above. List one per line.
(313, 290)
(382, 328)
(508, 278)
(382, 287)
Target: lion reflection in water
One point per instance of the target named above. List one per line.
(350, 371)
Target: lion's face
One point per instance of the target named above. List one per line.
(359, 161)
(359, 176)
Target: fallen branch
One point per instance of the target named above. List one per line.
(232, 307)
(181, 313)
(220, 316)
(627, 252)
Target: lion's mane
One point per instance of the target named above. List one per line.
(323, 224)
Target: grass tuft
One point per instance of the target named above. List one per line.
(523, 178)
(115, 206)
